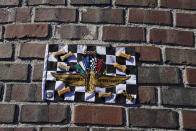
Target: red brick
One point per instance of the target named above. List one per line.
(6, 51)
(7, 112)
(30, 92)
(7, 15)
(181, 4)
(31, 50)
(153, 118)
(147, 95)
(114, 16)
(46, 2)
(191, 75)
(38, 72)
(143, 3)
(131, 34)
(84, 114)
(9, 2)
(44, 113)
(90, 2)
(23, 15)
(55, 14)
(166, 36)
(189, 118)
(148, 53)
(13, 72)
(149, 16)
(26, 31)
(186, 20)
(76, 32)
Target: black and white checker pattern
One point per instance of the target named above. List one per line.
(108, 55)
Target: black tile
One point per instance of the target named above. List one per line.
(53, 48)
(50, 85)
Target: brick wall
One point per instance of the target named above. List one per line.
(163, 33)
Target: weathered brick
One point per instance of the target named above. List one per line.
(124, 130)
(9, 2)
(23, 15)
(13, 71)
(113, 16)
(189, 118)
(166, 36)
(132, 34)
(1, 90)
(44, 113)
(90, 2)
(185, 20)
(191, 75)
(148, 53)
(64, 129)
(46, 2)
(180, 56)
(58, 113)
(26, 31)
(31, 50)
(143, 3)
(17, 129)
(98, 115)
(153, 118)
(30, 92)
(158, 75)
(6, 51)
(178, 96)
(147, 95)
(7, 15)
(15, 15)
(75, 32)
(7, 112)
(181, 4)
(1, 32)
(149, 16)
(55, 14)
(99, 129)
(38, 72)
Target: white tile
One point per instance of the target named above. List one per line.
(51, 57)
(63, 47)
(132, 80)
(73, 58)
(59, 85)
(120, 88)
(118, 49)
(81, 48)
(49, 76)
(110, 59)
(69, 96)
(131, 61)
(99, 89)
(80, 89)
(89, 97)
(101, 50)
(111, 100)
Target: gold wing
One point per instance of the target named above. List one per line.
(72, 79)
(107, 81)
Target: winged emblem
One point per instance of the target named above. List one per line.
(90, 81)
